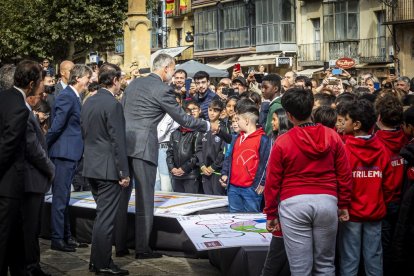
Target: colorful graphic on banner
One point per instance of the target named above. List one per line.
(226, 230)
(183, 5)
(169, 6)
(165, 204)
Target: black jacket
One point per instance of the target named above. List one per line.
(13, 123)
(181, 153)
(103, 129)
(210, 150)
(39, 170)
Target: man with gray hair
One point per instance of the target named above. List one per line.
(403, 83)
(64, 140)
(146, 100)
(6, 76)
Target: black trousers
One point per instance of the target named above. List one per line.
(121, 221)
(32, 213)
(11, 232)
(144, 173)
(190, 186)
(106, 194)
(276, 263)
(212, 186)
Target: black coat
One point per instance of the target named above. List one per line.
(39, 170)
(13, 122)
(210, 150)
(181, 153)
(103, 129)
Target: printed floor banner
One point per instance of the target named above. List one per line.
(215, 231)
(166, 204)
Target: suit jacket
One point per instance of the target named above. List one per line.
(145, 102)
(103, 129)
(64, 138)
(58, 88)
(13, 122)
(39, 170)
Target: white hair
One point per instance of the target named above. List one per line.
(161, 61)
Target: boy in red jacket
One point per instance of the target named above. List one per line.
(307, 181)
(372, 175)
(245, 164)
(390, 114)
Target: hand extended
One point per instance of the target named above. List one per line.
(273, 225)
(124, 182)
(343, 215)
(223, 181)
(259, 190)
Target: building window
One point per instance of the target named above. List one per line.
(179, 36)
(206, 37)
(341, 20)
(316, 23)
(275, 21)
(412, 48)
(234, 26)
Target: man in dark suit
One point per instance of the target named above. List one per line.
(39, 172)
(145, 101)
(13, 123)
(65, 144)
(64, 71)
(105, 163)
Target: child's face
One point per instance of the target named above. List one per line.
(348, 125)
(193, 110)
(242, 122)
(340, 121)
(230, 108)
(213, 114)
(235, 124)
(275, 122)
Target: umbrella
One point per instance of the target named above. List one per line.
(192, 67)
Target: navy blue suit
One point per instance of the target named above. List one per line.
(64, 140)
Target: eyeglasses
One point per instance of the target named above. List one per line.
(45, 61)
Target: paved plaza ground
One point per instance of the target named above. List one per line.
(62, 263)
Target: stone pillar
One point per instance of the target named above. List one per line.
(137, 35)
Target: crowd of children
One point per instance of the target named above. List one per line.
(331, 168)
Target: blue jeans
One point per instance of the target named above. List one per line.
(243, 200)
(163, 180)
(354, 236)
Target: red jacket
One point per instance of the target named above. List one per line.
(307, 160)
(245, 159)
(394, 141)
(372, 173)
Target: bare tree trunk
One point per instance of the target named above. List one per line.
(71, 50)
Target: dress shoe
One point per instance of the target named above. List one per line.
(61, 245)
(111, 270)
(36, 271)
(148, 255)
(75, 244)
(92, 267)
(122, 253)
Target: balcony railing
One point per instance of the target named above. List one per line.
(371, 50)
(375, 50)
(399, 11)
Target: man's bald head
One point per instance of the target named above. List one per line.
(64, 68)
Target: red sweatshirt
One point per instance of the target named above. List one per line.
(371, 168)
(394, 141)
(307, 160)
(245, 158)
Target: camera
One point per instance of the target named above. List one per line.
(228, 91)
(333, 81)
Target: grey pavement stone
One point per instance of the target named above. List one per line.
(77, 263)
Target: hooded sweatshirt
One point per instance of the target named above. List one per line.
(372, 173)
(246, 158)
(394, 141)
(307, 160)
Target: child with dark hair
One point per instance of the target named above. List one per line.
(307, 181)
(390, 115)
(323, 99)
(372, 175)
(181, 154)
(280, 123)
(42, 112)
(403, 241)
(344, 97)
(244, 170)
(326, 116)
(210, 153)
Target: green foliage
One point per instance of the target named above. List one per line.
(59, 28)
